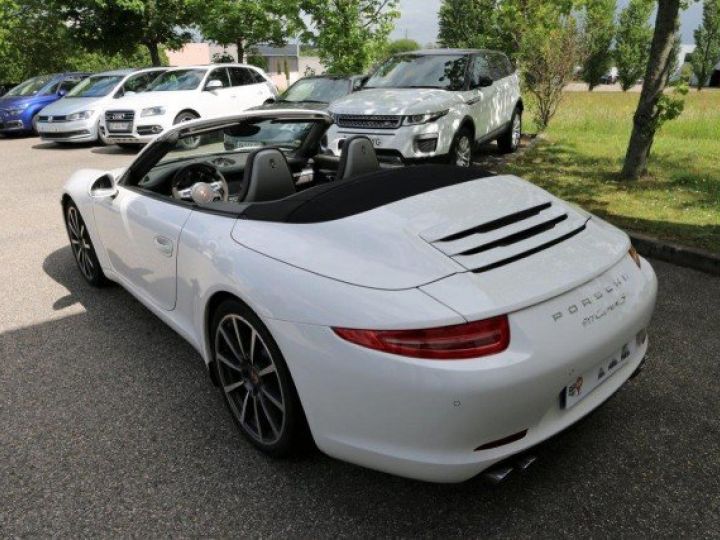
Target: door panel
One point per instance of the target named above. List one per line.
(481, 99)
(141, 235)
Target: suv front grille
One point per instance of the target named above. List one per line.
(368, 121)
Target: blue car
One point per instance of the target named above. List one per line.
(19, 106)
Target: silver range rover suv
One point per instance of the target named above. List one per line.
(435, 104)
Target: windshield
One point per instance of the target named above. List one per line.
(179, 79)
(317, 90)
(287, 135)
(31, 86)
(413, 71)
(95, 86)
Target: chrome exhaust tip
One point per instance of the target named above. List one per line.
(497, 474)
(523, 464)
(500, 473)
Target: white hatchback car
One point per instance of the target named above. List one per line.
(76, 117)
(183, 94)
(434, 104)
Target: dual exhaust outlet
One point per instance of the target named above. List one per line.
(500, 472)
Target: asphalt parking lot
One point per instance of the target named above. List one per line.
(110, 426)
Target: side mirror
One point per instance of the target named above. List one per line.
(484, 81)
(214, 84)
(104, 187)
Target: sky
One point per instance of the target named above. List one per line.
(418, 20)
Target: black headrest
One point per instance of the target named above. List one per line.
(267, 176)
(357, 157)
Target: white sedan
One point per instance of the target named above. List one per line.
(432, 322)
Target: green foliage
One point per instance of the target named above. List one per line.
(350, 34)
(35, 40)
(402, 45)
(247, 23)
(470, 24)
(550, 50)
(707, 43)
(671, 104)
(632, 43)
(255, 59)
(121, 25)
(599, 31)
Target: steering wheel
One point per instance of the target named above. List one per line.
(188, 177)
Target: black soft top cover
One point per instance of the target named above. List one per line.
(346, 198)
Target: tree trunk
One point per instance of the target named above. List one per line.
(154, 53)
(656, 78)
(240, 50)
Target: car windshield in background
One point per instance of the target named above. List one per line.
(245, 137)
(417, 71)
(180, 79)
(317, 90)
(31, 86)
(95, 86)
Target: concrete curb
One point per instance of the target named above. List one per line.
(698, 259)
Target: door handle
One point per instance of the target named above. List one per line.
(163, 245)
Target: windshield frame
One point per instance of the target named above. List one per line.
(456, 55)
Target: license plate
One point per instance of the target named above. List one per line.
(118, 126)
(581, 387)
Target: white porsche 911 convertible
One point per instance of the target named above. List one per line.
(432, 322)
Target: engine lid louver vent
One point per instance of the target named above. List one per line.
(509, 238)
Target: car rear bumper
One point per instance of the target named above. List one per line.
(445, 421)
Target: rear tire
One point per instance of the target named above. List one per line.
(82, 247)
(461, 148)
(257, 388)
(509, 141)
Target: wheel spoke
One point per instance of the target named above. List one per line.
(270, 420)
(253, 340)
(230, 344)
(243, 412)
(257, 418)
(234, 386)
(239, 340)
(228, 362)
(272, 399)
(267, 370)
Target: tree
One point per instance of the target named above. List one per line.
(114, 26)
(402, 45)
(632, 42)
(248, 23)
(350, 34)
(599, 31)
(707, 43)
(657, 74)
(468, 24)
(549, 54)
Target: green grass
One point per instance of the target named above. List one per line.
(582, 152)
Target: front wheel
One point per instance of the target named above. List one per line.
(82, 247)
(509, 141)
(188, 143)
(256, 382)
(461, 148)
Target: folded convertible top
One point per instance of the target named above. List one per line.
(345, 198)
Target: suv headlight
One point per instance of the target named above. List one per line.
(417, 119)
(82, 115)
(152, 111)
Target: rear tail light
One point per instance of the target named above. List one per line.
(470, 340)
(635, 256)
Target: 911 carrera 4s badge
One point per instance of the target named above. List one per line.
(595, 306)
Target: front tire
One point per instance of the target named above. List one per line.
(82, 247)
(461, 148)
(509, 141)
(188, 143)
(255, 381)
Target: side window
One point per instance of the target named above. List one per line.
(480, 69)
(220, 74)
(139, 83)
(242, 76)
(257, 78)
(497, 67)
(67, 85)
(509, 68)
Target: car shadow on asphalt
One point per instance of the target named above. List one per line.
(115, 150)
